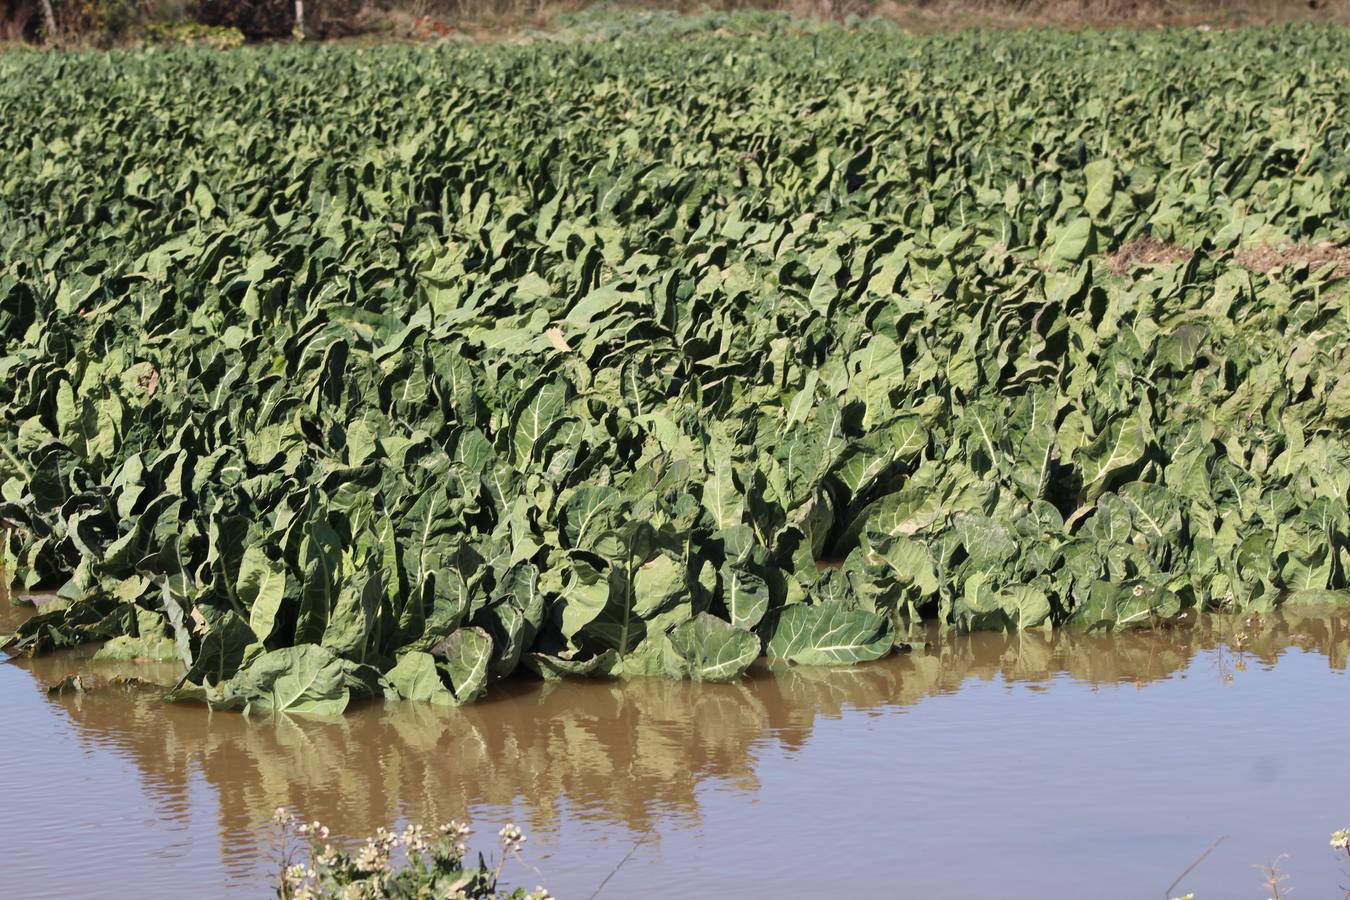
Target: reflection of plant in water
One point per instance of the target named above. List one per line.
(1231, 658)
(1273, 879)
(630, 752)
(412, 863)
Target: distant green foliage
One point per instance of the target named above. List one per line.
(391, 371)
(191, 34)
(603, 21)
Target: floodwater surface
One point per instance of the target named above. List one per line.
(988, 765)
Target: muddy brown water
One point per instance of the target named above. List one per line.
(1008, 766)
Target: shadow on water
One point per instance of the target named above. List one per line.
(617, 753)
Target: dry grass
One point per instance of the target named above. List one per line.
(1145, 251)
(507, 20)
(1263, 258)
(1269, 258)
(945, 15)
(513, 20)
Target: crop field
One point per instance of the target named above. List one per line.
(336, 372)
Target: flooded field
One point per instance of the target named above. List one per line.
(989, 765)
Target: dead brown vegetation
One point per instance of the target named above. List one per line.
(1145, 251)
(1263, 258)
(107, 22)
(1266, 258)
(941, 15)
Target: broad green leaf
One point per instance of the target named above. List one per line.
(746, 596)
(1100, 174)
(720, 496)
(465, 657)
(1120, 445)
(261, 588)
(415, 677)
(541, 410)
(713, 650)
(302, 679)
(828, 634)
(1070, 242)
(320, 557)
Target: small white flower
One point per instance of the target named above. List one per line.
(296, 875)
(456, 828)
(373, 857)
(414, 838)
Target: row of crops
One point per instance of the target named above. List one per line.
(336, 372)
